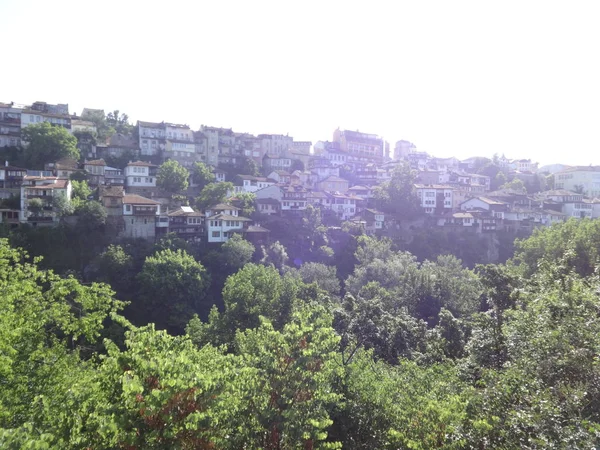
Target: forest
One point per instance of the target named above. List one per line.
(319, 340)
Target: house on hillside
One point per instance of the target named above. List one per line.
(223, 221)
(139, 214)
(47, 190)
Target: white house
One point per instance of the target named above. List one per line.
(223, 221)
(46, 189)
(434, 197)
(248, 183)
(140, 174)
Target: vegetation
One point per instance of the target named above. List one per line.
(47, 143)
(372, 348)
(172, 177)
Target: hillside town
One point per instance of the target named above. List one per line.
(340, 177)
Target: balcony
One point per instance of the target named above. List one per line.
(40, 219)
(40, 196)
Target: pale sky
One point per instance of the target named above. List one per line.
(457, 78)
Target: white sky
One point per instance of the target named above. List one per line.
(460, 78)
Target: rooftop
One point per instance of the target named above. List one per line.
(134, 199)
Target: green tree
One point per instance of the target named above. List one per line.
(172, 177)
(35, 206)
(47, 143)
(98, 118)
(295, 369)
(81, 190)
(172, 287)
(202, 175)
(91, 215)
(275, 254)
(235, 254)
(324, 276)
(398, 196)
(119, 122)
(516, 185)
(245, 200)
(213, 193)
(247, 166)
(46, 323)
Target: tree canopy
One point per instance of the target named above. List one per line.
(172, 177)
(47, 143)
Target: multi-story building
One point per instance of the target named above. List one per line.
(275, 145)
(139, 216)
(271, 163)
(140, 174)
(361, 148)
(302, 147)
(63, 168)
(85, 132)
(95, 170)
(10, 125)
(180, 144)
(268, 206)
(11, 177)
(187, 223)
(494, 207)
(248, 183)
(582, 179)
(434, 198)
(117, 146)
(43, 112)
(111, 198)
(403, 149)
(152, 138)
(333, 184)
(223, 221)
(47, 190)
(343, 206)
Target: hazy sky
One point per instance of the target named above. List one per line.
(455, 77)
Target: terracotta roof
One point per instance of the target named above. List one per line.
(150, 124)
(228, 217)
(95, 162)
(141, 163)
(58, 184)
(270, 201)
(12, 168)
(134, 199)
(334, 178)
(256, 229)
(223, 206)
(111, 191)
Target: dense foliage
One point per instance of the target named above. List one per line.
(386, 352)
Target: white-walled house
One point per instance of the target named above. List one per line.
(434, 198)
(223, 221)
(140, 174)
(47, 189)
(248, 183)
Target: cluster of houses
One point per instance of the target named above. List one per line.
(338, 176)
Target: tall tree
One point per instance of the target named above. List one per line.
(398, 196)
(119, 122)
(201, 174)
(47, 143)
(98, 118)
(172, 177)
(172, 288)
(213, 193)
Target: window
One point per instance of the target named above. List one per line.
(128, 208)
(216, 234)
